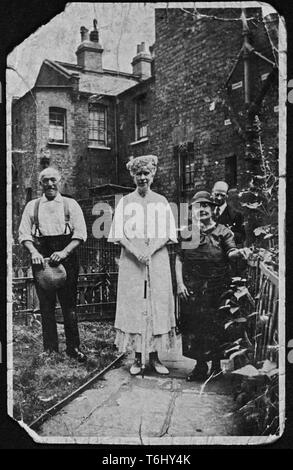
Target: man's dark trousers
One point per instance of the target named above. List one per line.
(66, 295)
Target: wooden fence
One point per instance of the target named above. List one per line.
(96, 295)
(97, 282)
(264, 288)
(97, 291)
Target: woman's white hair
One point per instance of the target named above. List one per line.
(49, 171)
(144, 161)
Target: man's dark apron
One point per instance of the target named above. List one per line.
(46, 245)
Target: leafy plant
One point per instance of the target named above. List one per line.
(256, 390)
(259, 198)
(238, 322)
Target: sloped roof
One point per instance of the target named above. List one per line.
(106, 82)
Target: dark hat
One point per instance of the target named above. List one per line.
(51, 277)
(202, 196)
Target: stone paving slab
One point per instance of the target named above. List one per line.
(203, 415)
(125, 407)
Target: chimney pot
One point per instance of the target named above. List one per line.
(84, 33)
(141, 63)
(89, 52)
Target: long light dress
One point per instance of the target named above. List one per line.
(160, 329)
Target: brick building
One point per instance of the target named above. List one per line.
(69, 120)
(189, 101)
(198, 104)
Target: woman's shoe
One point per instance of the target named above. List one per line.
(200, 372)
(159, 367)
(135, 369)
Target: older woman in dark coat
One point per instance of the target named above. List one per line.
(202, 272)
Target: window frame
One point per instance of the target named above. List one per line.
(96, 108)
(141, 123)
(54, 127)
(188, 170)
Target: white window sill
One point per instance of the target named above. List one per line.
(100, 147)
(145, 139)
(61, 144)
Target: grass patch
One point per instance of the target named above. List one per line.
(41, 380)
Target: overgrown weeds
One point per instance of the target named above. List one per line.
(255, 363)
(41, 380)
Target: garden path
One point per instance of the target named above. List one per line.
(120, 409)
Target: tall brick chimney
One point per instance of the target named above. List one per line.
(141, 63)
(89, 52)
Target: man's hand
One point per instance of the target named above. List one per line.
(58, 256)
(37, 258)
(182, 291)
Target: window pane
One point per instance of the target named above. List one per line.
(57, 124)
(56, 133)
(141, 118)
(188, 166)
(97, 125)
(143, 131)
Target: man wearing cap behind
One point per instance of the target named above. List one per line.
(51, 229)
(224, 214)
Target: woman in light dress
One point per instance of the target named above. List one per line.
(145, 320)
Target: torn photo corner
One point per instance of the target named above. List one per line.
(149, 340)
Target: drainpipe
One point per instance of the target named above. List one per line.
(246, 58)
(116, 141)
(251, 165)
(179, 180)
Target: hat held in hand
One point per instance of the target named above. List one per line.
(51, 277)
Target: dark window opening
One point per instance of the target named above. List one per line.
(231, 171)
(187, 166)
(57, 125)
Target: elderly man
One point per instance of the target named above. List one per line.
(226, 215)
(53, 227)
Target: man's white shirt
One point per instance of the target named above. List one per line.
(52, 219)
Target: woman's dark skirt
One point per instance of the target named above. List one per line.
(201, 325)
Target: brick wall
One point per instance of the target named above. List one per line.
(127, 143)
(81, 167)
(92, 166)
(193, 61)
(24, 161)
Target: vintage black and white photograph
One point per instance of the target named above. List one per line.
(146, 147)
